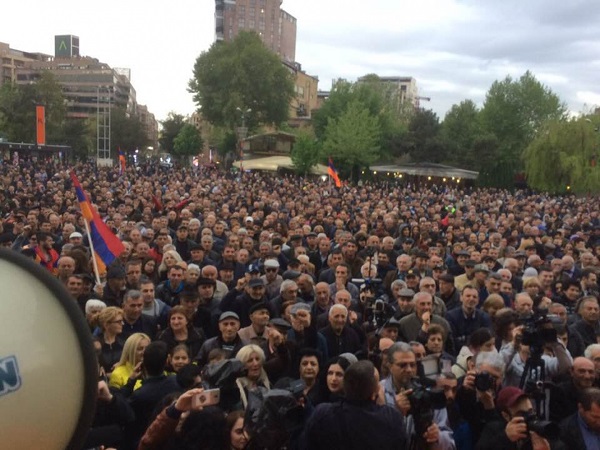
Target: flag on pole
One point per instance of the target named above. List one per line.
(122, 161)
(333, 173)
(105, 246)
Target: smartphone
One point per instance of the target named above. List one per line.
(210, 397)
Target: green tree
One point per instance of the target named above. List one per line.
(353, 139)
(423, 139)
(126, 132)
(564, 154)
(242, 74)
(188, 142)
(17, 109)
(460, 130)
(392, 116)
(514, 111)
(305, 153)
(171, 127)
(80, 135)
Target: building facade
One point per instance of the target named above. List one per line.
(305, 99)
(276, 27)
(400, 90)
(11, 60)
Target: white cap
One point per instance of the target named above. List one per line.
(75, 234)
(249, 219)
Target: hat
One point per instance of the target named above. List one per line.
(256, 282)
(229, 315)
(280, 323)
(447, 277)
(470, 263)
(463, 253)
(311, 234)
(277, 241)
(520, 254)
(412, 273)
(530, 272)
(75, 234)
(350, 357)
(406, 293)
(489, 258)
(291, 274)
(116, 272)
(249, 219)
(295, 237)
(203, 281)
(508, 397)
(299, 307)
(482, 268)
(410, 241)
(393, 322)
(5, 238)
(271, 264)
(257, 307)
(195, 246)
(422, 255)
(252, 268)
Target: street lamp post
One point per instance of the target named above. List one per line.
(242, 132)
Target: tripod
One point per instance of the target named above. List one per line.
(533, 381)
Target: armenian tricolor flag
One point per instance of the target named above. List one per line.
(122, 161)
(333, 173)
(105, 246)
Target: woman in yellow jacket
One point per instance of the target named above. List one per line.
(129, 365)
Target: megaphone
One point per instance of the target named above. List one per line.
(48, 368)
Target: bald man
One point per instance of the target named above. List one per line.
(563, 398)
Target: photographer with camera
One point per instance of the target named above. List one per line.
(517, 427)
(425, 421)
(476, 395)
(537, 341)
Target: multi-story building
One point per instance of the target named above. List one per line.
(150, 125)
(276, 27)
(11, 60)
(400, 89)
(305, 98)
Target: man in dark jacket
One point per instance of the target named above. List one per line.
(133, 319)
(154, 388)
(335, 425)
(465, 319)
(339, 336)
(169, 290)
(511, 431)
(227, 339)
(582, 429)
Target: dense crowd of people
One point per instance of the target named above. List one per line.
(274, 311)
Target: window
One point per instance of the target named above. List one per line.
(242, 10)
(241, 23)
(251, 11)
(251, 23)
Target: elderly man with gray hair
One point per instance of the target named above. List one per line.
(339, 336)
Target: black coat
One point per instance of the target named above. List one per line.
(349, 426)
(347, 342)
(570, 432)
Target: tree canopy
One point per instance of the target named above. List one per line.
(188, 142)
(171, 127)
(564, 154)
(306, 152)
(354, 138)
(242, 74)
(17, 109)
(126, 131)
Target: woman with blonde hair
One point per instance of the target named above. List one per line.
(128, 367)
(253, 358)
(170, 259)
(110, 322)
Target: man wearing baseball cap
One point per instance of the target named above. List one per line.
(227, 339)
(510, 431)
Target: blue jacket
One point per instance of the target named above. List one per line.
(463, 327)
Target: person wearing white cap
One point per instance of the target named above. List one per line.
(272, 278)
(76, 238)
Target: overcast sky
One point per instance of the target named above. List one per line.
(454, 49)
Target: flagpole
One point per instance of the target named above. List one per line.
(94, 262)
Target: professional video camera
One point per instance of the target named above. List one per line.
(538, 329)
(273, 415)
(423, 401)
(222, 375)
